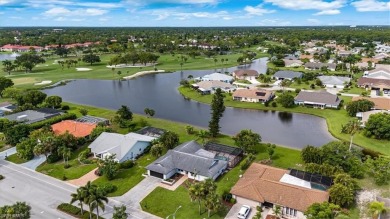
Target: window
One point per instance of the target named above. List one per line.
(290, 211)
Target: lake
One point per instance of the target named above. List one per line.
(8, 56)
(159, 92)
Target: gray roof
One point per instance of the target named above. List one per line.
(318, 65)
(92, 119)
(190, 157)
(31, 116)
(211, 85)
(117, 144)
(288, 74)
(334, 80)
(318, 97)
(216, 77)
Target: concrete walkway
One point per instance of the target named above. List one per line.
(135, 195)
(35, 162)
(82, 181)
(176, 185)
(7, 152)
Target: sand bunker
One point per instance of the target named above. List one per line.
(43, 83)
(83, 69)
(137, 65)
(143, 73)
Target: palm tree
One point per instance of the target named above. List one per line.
(212, 203)
(96, 200)
(196, 193)
(376, 208)
(203, 134)
(80, 197)
(66, 153)
(87, 192)
(352, 127)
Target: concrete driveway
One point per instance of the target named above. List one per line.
(232, 214)
(7, 152)
(35, 162)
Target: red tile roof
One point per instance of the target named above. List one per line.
(77, 129)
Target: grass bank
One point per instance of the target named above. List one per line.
(334, 118)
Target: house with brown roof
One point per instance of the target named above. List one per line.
(77, 129)
(373, 83)
(321, 99)
(380, 103)
(254, 95)
(270, 186)
(245, 74)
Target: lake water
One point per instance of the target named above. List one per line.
(159, 92)
(8, 56)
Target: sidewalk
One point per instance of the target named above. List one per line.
(82, 181)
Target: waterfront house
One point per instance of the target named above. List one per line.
(254, 95)
(77, 129)
(289, 75)
(216, 77)
(317, 99)
(245, 74)
(32, 116)
(209, 87)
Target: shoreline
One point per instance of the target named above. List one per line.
(141, 73)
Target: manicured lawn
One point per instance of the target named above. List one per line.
(334, 118)
(15, 159)
(75, 171)
(127, 179)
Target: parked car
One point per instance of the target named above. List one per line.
(244, 212)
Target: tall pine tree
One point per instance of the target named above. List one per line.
(217, 109)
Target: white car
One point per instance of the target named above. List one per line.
(244, 212)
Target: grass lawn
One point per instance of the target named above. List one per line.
(128, 178)
(75, 171)
(15, 159)
(334, 118)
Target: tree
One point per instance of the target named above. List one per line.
(91, 58)
(157, 150)
(270, 150)
(33, 97)
(341, 195)
(25, 149)
(196, 193)
(346, 180)
(247, 140)
(109, 167)
(19, 210)
(311, 154)
(8, 66)
(323, 210)
(53, 101)
(379, 169)
(203, 134)
(96, 199)
(189, 129)
(212, 203)
(286, 100)
(119, 74)
(169, 140)
(149, 112)
(83, 111)
(99, 130)
(378, 126)
(66, 153)
(16, 133)
(80, 197)
(5, 83)
(120, 212)
(11, 92)
(217, 110)
(46, 146)
(375, 209)
(125, 113)
(351, 128)
(359, 106)
(28, 61)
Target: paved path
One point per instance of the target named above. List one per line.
(82, 181)
(232, 214)
(44, 193)
(35, 162)
(7, 152)
(135, 195)
(175, 185)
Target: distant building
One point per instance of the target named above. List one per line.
(289, 75)
(32, 116)
(216, 77)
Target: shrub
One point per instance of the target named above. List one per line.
(297, 90)
(64, 178)
(127, 164)
(274, 104)
(371, 153)
(233, 200)
(52, 120)
(52, 158)
(1, 177)
(68, 208)
(108, 188)
(65, 107)
(266, 104)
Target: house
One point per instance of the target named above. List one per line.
(77, 129)
(334, 81)
(93, 120)
(289, 75)
(381, 56)
(124, 147)
(309, 57)
(19, 48)
(380, 103)
(233, 155)
(344, 53)
(267, 186)
(373, 83)
(253, 95)
(188, 159)
(209, 87)
(321, 99)
(151, 132)
(381, 72)
(364, 116)
(245, 74)
(319, 65)
(32, 116)
(292, 63)
(216, 77)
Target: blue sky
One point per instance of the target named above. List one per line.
(193, 12)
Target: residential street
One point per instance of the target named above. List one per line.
(44, 193)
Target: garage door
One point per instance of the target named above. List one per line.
(244, 201)
(156, 174)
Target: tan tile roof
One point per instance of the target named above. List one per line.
(255, 93)
(373, 82)
(247, 72)
(77, 129)
(261, 183)
(306, 56)
(370, 60)
(380, 102)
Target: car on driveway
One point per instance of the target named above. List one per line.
(244, 212)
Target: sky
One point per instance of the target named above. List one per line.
(194, 13)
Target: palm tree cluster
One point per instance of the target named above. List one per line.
(90, 195)
(205, 192)
(69, 63)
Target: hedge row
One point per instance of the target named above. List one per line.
(75, 211)
(53, 120)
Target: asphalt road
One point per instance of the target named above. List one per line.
(44, 193)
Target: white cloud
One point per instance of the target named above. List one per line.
(64, 12)
(371, 5)
(60, 3)
(176, 13)
(324, 7)
(4, 2)
(257, 10)
(328, 12)
(188, 2)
